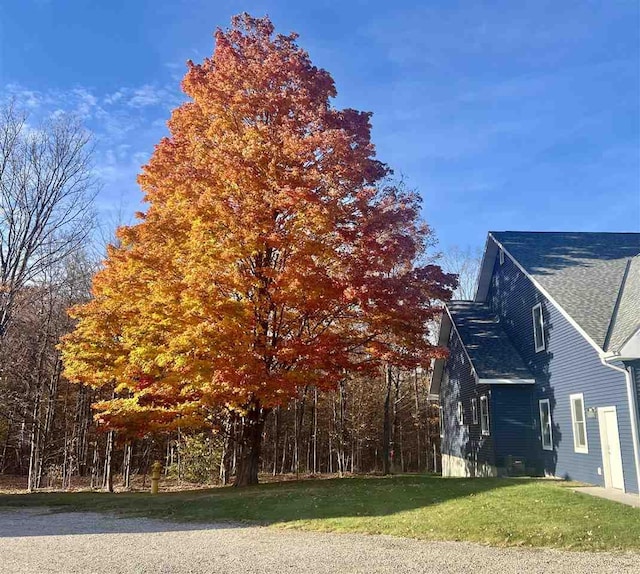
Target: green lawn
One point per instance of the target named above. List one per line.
(506, 512)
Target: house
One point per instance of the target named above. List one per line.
(543, 374)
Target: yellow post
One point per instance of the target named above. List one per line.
(156, 469)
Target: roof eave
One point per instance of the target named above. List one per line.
(438, 364)
(629, 351)
(486, 269)
(504, 381)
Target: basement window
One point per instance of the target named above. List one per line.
(538, 327)
(579, 423)
(545, 424)
(484, 415)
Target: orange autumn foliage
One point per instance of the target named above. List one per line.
(274, 252)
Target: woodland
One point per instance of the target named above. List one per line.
(270, 313)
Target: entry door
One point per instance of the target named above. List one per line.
(610, 441)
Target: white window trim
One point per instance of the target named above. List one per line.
(584, 449)
(485, 431)
(474, 411)
(441, 420)
(460, 413)
(540, 403)
(538, 326)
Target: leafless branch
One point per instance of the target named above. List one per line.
(46, 198)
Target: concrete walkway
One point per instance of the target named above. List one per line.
(611, 494)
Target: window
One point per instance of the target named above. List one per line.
(441, 415)
(538, 327)
(474, 411)
(545, 424)
(484, 415)
(460, 414)
(579, 423)
(501, 257)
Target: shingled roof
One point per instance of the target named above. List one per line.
(626, 319)
(593, 277)
(488, 346)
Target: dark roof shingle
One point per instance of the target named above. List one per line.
(582, 271)
(488, 346)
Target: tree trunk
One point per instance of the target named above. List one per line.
(315, 430)
(146, 455)
(34, 451)
(250, 445)
(386, 425)
(126, 464)
(394, 422)
(223, 474)
(108, 463)
(81, 426)
(299, 417)
(284, 452)
(339, 424)
(3, 464)
(179, 457)
(94, 466)
(417, 422)
(276, 438)
(52, 395)
(295, 464)
(168, 455)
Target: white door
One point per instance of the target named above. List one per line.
(610, 442)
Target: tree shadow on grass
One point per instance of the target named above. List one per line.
(275, 503)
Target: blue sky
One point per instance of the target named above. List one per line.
(503, 115)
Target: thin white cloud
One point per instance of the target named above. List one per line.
(79, 101)
(140, 157)
(114, 98)
(25, 98)
(126, 122)
(147, 95)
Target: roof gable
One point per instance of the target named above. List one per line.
(582, 273)
(489, 348)
(493, 358)
(626, 320)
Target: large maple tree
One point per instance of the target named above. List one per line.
(274, 253)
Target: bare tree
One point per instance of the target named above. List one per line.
(466, 264)
(46, 195)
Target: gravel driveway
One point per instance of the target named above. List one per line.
(33, 541)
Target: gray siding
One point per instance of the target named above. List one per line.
(568, 365)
